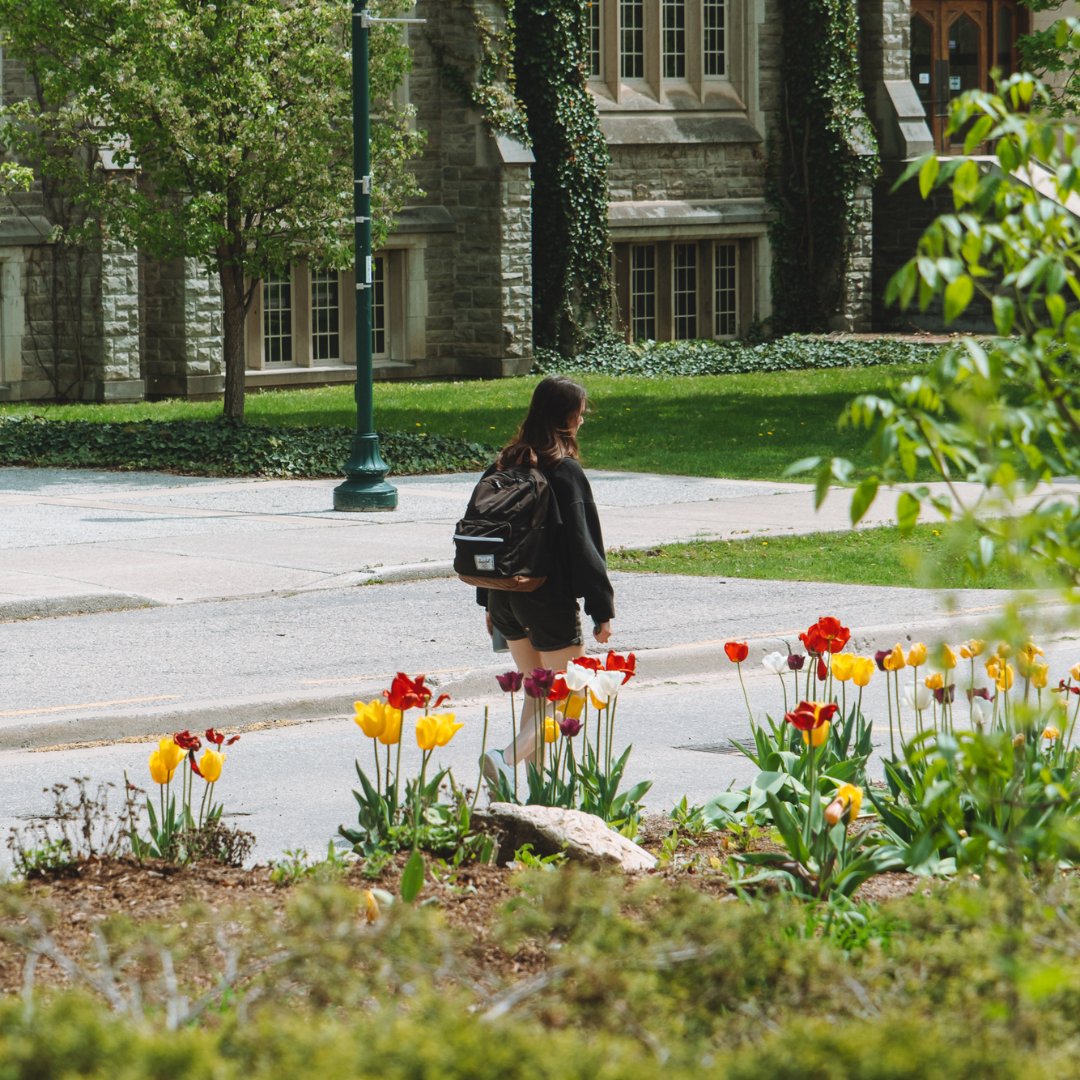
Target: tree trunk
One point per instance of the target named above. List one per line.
(231, 274)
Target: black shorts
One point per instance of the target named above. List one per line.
(551, 622)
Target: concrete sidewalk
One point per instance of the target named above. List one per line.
(84, 541)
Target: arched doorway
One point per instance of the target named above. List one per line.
(955, 44)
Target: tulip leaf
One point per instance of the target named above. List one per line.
(412, 877)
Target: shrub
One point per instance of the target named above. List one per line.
(794, 352)
(221, 449)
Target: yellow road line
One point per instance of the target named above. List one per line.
(90, 705)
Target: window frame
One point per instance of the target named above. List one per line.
(606, 70)
(666, 265)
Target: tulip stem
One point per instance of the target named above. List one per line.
(746, 697)
(378, 773)
(483, 751)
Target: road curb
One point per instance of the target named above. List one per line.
(55, 607)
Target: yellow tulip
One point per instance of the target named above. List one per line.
(391, 732)
(573, 706)
(862, 670)
(1031, 650)
(160, 771)
(1004, 678)
(993, 666)
(210, 765)
(551, 730)
(1074, 673)
(948, 657)
(970, 649)
(427, 731)
(816, 736)
(935, 681)
(842, 665)
(446, 728)
(895, 660)
(848, 798)
(1039, 675)
(917, 655)
(171, 754)
(371, 907)
(1004, 650)
(1051, 733)
(370, 716)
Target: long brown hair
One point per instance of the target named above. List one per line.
(546, 435)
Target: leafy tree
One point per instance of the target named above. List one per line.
(1052, 59)
(1004, 412)
(235, 116)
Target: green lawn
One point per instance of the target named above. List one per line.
(742, 426)
(931, 557)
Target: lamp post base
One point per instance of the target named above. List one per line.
(365, 487)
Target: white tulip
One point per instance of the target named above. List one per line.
(776, 662)
(918, 696)
(577, 677)
(606, 684)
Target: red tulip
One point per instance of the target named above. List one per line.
(559, 690)
(810, 715)
(406, 693)
(591, 662)
(826, 635)
(737, 651)
(186, 741)
(626, 664)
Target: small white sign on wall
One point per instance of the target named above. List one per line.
(954, 82)
(924, 78)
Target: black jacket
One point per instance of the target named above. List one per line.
(580, 567)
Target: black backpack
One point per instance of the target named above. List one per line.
(503, 540)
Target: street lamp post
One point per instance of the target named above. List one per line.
(365, 487)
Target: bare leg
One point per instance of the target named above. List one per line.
(523, 748)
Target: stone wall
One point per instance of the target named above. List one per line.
(182, 335)
(478, 270)
(686, 171)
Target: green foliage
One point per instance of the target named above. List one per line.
(973, 800)
(237, 116)
(1050, 54)
(571, 249)
(1003, 413)
(791, 353)
(220, 448)
(821, 152)
(640, 978)
(295, 866)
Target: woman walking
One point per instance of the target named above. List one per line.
(543, 628)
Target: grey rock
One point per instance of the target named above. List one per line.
(583, 837)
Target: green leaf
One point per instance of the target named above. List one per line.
(863, 498)
(907, 511)
(1004, 314)
(958, 294)
(412, 877)
(928, 174)
(1055, 307)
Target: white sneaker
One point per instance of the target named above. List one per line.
(493, 765)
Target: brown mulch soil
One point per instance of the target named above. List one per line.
(471, 898)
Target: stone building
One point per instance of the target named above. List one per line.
(687, 95)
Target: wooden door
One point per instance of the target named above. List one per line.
(955, 44)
